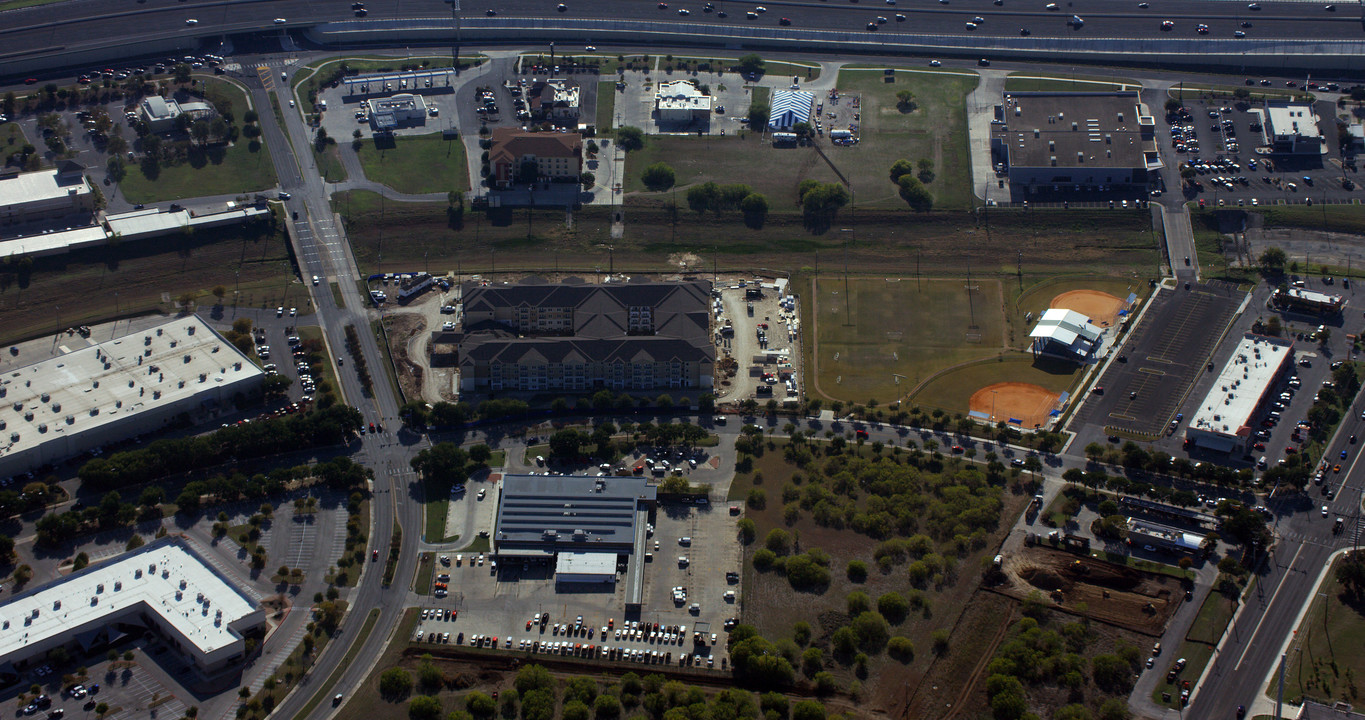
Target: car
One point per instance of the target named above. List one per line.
(684, 11)
(562, 7)
(336, 699)
(934, 63)
(280, 21)
(1336, 468)
(315, 280)
(293, 312)
(870, 26)
(1097, 390)
(1202, 29)
(1167, 24)
(279, 312)
(191, 21)
(1343, 454)
(784, 21)
(663, 6)
(983, 62)
(1017, 462)
(491, 12)
(1324, 511)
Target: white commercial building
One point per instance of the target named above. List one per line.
(397, 110)
(1065, 333)
(1227, 415)
(585, 567)
(44, 194)
(98, 394)
(681, 101)
(164, 586)
(159, 113)
(1292, 128)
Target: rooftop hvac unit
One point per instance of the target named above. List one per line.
(56, 407)
(18, 406)
(14, 437)
(99, 588)
(137, 574)
(179, 595)
(118, 585)
(189, 330)
(46, 397)
(146, 340)
(187, 357)
(28, 415)
(56, 604)
(70, 419)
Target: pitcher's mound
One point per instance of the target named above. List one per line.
(1101, 307)
(1022, 404)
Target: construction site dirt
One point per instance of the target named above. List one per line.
(1102, 591)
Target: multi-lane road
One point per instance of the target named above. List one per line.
(69, 26)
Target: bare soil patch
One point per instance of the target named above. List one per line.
(1101, 307)
(1113, 594)
(1023, 404)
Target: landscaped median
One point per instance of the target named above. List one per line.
(1326, 660)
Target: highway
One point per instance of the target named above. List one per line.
(76, 24)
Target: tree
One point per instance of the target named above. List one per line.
(533, 677)
(1111, 673)
(901, 168)
(1272, 260)
(893, 606)
(200, 130)
(630, 138)
(658, 177)
(857, 571)
(821, 200)
(751, 64)
(587, 179)
(759, 113)
(443, 462)
(901, 648)
(480, 705)
(755, 209)
(395, 683)
(606, 707)
(905, 101)
(808, 710)
(116, 168)
(480, 454)
(424, 707)
(567, 443)
(913, 192)
(182, 73)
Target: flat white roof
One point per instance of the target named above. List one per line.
(1065, 326)
(54, 243)
(173, 582)
(403, 101)
(150, 220)
(1289, 120)
(681, 95)
(1227, 409)
(39, 186)
(584, 563)
(96, 385)
(1313, 296)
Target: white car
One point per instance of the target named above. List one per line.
(191, 21)
(934, 63)
(280, 21)
(315, 279)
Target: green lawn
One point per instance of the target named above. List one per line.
(1328, 653)
(416, 164)
(426, 562)
(12, 142)
(329, 163)
(1192, 92)
(606, 105)
(1027, 81)
(952, 390)
(1213, 618)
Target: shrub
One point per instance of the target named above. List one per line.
(857, 571)
(900, 648)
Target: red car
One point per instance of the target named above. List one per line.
(958, 449)
(31, 81)
(1290, 450)
(861, 434)
(374, 554)
(1259, 446)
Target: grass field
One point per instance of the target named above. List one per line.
(1328, 655)
(416, 164)
(99, 284)
(12, 142)
(243, 167)
(889, 242)
(1213, 618)
(951, 389)
(329, 163)
(885, 343)
(1187, 92)
(606, 106)
(1196, 654)
(936, 131)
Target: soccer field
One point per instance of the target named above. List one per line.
(886, 335)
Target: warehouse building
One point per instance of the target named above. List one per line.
(681, 102)
(1066, 334)
(45, 194)
(1229, 413)
(572, 336)
(1291, 128)
(586, 526)
(1069, 144)
(104, 393)
(165, 586)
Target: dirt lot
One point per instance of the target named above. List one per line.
(402, 328)
(1113, 594)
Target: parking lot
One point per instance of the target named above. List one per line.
(1219, 140)
(488, 600)
(138, 689)
(1141, 390)
(760, 328)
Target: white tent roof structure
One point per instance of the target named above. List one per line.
(789, 108)
(1067, 328)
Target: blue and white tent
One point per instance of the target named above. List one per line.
(789, 108)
